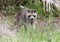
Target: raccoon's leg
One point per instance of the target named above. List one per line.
(19, 23)
(25, 27)
(34, 26)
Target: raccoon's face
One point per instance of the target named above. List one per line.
(31, 15)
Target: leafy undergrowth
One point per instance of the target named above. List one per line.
(34, 36)
(46, 34)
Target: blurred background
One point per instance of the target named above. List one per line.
(48, 21)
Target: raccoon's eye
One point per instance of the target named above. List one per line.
(29, 16)
(34, 15)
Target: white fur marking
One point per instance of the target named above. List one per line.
(21, 6)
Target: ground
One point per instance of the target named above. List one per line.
(47, 31)
(5, 24)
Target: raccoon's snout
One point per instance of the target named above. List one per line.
(32, 19)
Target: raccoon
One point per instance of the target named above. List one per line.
(26, 17)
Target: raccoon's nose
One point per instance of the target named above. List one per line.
(31, 18)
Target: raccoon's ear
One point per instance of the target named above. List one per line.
(34, 10)
(28, 10)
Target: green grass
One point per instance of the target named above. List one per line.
(34, 36)
(39, 35)
(44, 35)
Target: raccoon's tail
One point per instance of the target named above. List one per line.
(22, 6)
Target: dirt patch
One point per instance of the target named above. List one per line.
(52, 24)
(4, 27)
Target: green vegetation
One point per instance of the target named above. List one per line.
(44, 35)
(34, 36)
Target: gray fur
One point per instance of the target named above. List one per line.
(26, 17)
